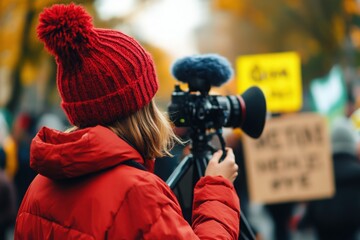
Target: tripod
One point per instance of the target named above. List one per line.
(201, 153)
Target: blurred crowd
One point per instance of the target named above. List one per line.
(333, 218)
(16, 133)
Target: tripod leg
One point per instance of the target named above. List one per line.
(201, 165)
(198, 171)
(179, 172)
(245, 227)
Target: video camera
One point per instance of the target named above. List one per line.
(196, 109)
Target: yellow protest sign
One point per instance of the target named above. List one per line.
(291, 161)
(277, 74)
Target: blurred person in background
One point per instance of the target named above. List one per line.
(50, 120)
(95, 180)
(338, 217)
(234, 139)
(8, 170)
(2, 158)
(281, 214)
(23, 131)
(7, 202)
(8, 144)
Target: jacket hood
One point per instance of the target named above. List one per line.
(60, 155)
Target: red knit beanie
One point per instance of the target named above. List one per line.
(103, 75)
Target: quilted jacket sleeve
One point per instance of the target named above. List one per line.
(216, 209)
(152, 212)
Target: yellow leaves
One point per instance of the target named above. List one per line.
(28, 73)
(10, 149)
(304, 44)
(246, 10)
(261, 20)
(355, 119)
(355, 36)
(295, 4)
(338, 26)
(236, 6)
(12, 22)
(40, 4)
(351, 7)
(6, 85)
(162, 63)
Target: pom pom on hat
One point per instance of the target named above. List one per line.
(64, 28)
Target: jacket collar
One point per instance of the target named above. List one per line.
(60, 155)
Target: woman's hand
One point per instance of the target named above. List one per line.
(227, 168)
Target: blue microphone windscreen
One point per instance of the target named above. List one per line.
(211, 68)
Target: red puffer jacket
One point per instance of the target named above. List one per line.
(83, 192)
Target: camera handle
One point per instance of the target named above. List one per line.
(201, 153)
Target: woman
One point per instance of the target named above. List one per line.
(96, 181)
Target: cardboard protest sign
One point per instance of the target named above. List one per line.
(277, 74)
(291, 161)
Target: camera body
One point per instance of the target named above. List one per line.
(200, 110)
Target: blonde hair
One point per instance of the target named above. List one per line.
(148, 130)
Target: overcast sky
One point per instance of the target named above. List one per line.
(168, 24)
